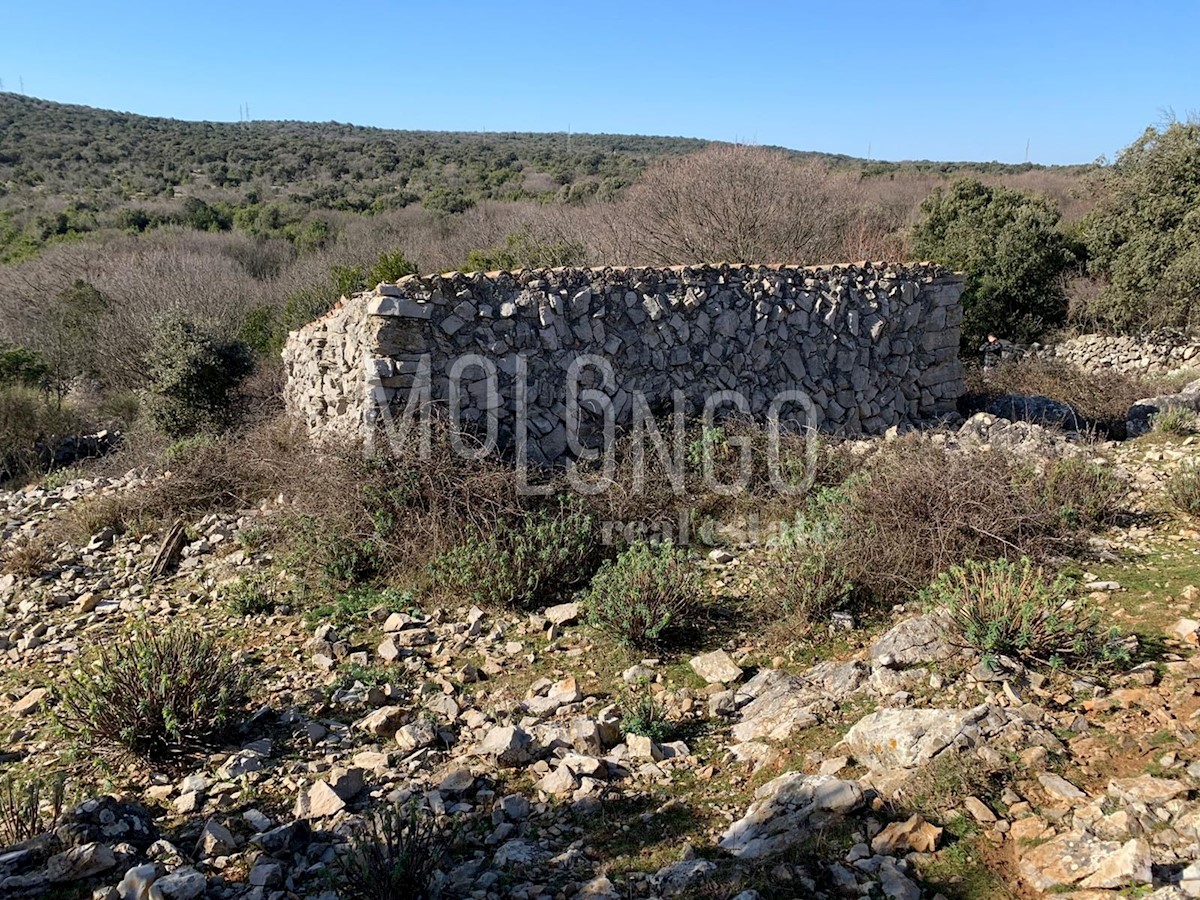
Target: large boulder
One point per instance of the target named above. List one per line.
(1038, 409)
(789, 810)
(1081, 858)
(1140, 417)
(784, 703)
(892, 739)
(107, 820)
(914, 642)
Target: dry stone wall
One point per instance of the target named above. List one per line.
(1157, 354)
(872, 345)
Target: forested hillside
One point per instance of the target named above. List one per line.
(125, 239)
(69, 170)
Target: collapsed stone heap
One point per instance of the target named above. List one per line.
(872, 345)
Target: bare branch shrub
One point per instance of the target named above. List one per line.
(917, 510)
(732, 203)
(29, 807)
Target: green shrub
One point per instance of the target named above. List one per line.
(642, 713)
(1079, 493)
(649, 594)
(22, 816)
(527, 563)
(1014, 257)
(523, 249)
(1175, 420)
(155, 694)
(802, 579)
(369, 676)
(1143, 236)
(19, 365)
(396, 855)
(1183, 490)
(352, 607)
(389, 268)
(1017, 609)
(192, 378)
(249, 595)
(119, 409)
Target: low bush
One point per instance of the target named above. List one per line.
(352, 607)
(157, 695)
(396, 855)
(645, 597)
(1080, 495)
(526, 563)
(1017, 609)
(915, 510)
(1101, 398)
(369, 676)
(192, 378)
(29, 807)
(115, 512)
(642, 713)
(26, 555)
(802, 579)
(249, 595)
(1175, 420)
(31, 421)
(1183, 490)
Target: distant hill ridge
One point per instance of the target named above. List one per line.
(105, 157)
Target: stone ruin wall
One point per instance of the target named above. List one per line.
(873, 345)
(1153, 355)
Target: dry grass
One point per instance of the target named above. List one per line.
(26, 556)
(918, 510)
(1102, 399)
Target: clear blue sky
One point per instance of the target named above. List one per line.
(969, 79)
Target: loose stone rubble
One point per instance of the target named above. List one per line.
(509, 724)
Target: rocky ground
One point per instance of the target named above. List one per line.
(884, 762)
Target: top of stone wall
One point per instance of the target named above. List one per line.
(861, 271)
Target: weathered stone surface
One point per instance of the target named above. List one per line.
(1140, 417)
(1146, 789)
(1064, 860)
(562, 614)
(787, 811)
(215, 840)
(906, 738)
(319, 801)
(80, 862)
(109, 821)
(383, 722)
(1127, 867)
(1036, 408)
(784, 703)
(913, 834)
(891, 331)
(679, 877)
(716, 667)
(30, 703)
(183, 884)
(508, 745)
(1059, 788)
(913, 642)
